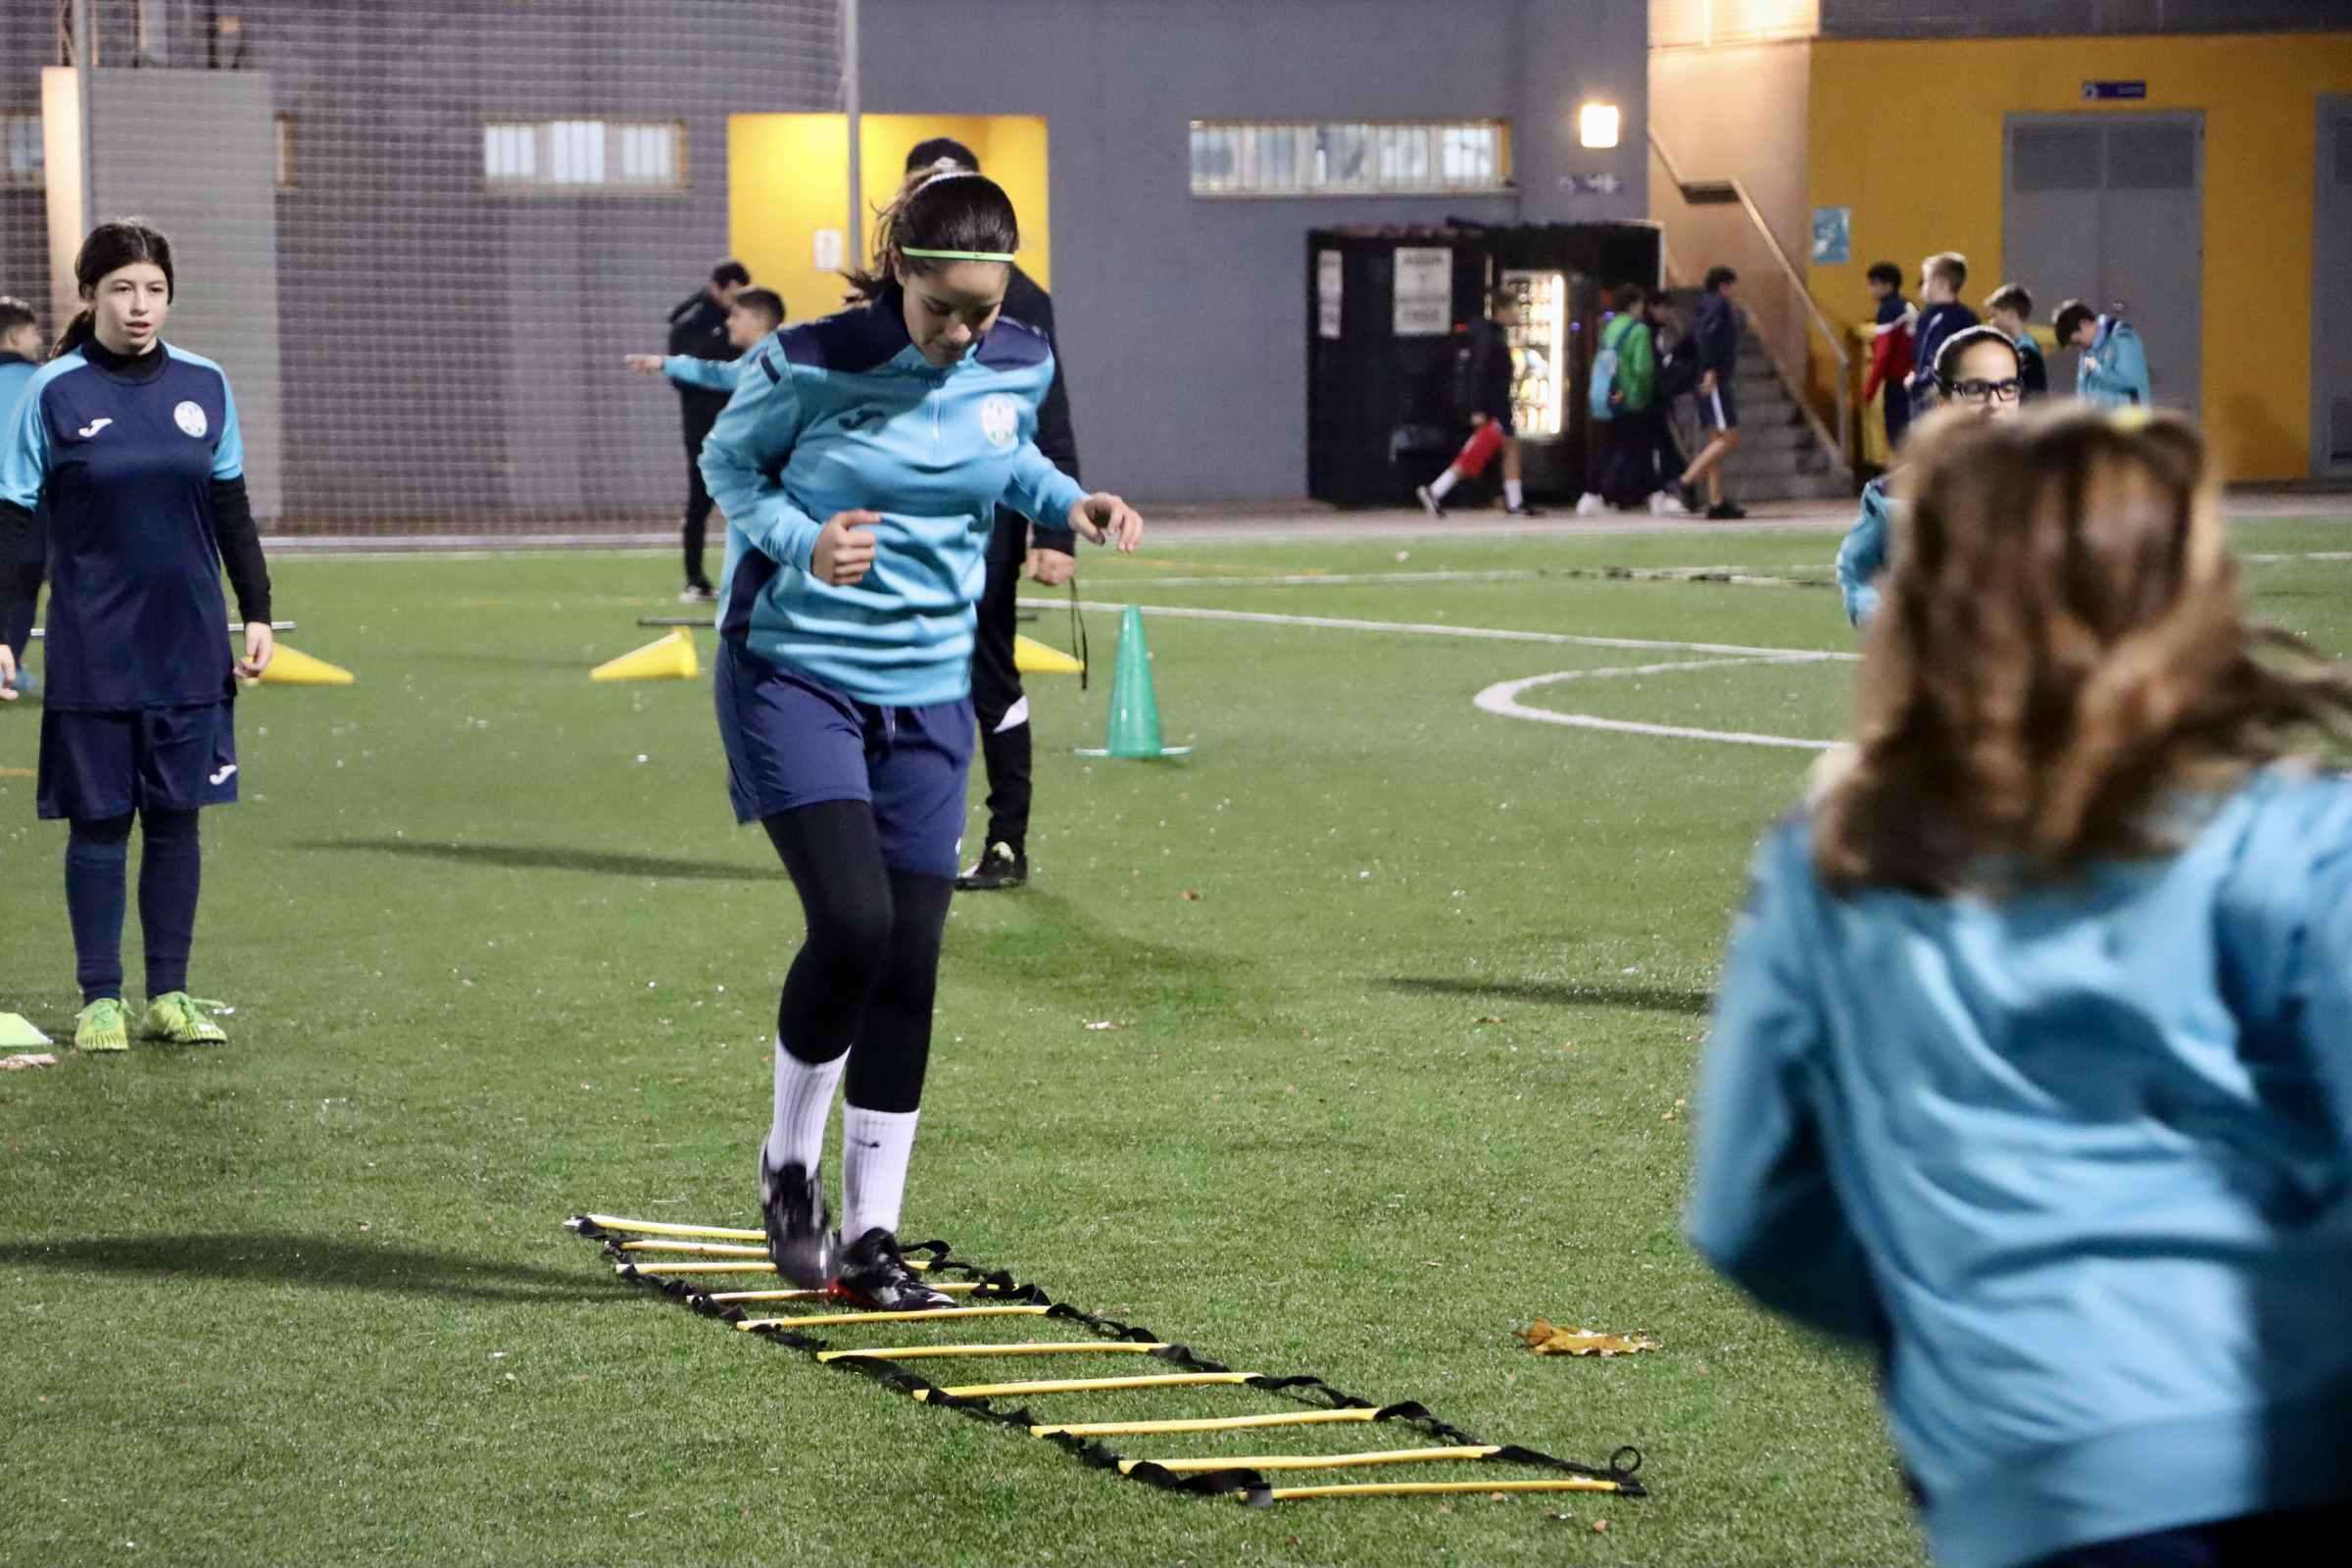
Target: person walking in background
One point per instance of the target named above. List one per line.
(2112, 370)
(1941, 277)
(131, 448)
(1625, 379)
(2011, 309)
(697, 330)
(1715, 342)
(1486, 389)
(2031, 1067)
(1889, 374)
(20, 358)
(756, 313)
(1044, 553)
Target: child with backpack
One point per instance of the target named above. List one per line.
(1621, 399)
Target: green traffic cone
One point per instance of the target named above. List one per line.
(1134, 729)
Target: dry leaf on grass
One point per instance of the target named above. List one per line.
(1546, 1340)
(24, 1059)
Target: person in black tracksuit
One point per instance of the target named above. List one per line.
(1044, 552)
(698, 329)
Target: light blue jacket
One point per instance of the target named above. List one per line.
(717, 376)
(2114, 369)
(2079, 1162)
(845, 413)
(15, 375)
(1863, 555)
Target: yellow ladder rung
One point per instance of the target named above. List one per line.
(1412, 1489)
(716, 1249)
(656, 1228)
(1309, 1461)
(920, 1314)
(1227, 1423)
(804, 1296)
(1165, 1380)
(651, 1268)
(653, 1228)
(910, 1352)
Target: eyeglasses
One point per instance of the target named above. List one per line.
(1974, 391)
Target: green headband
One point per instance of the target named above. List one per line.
(957, 256)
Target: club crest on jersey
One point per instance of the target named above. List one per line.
(999, 419)
(189, 417)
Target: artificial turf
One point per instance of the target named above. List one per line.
(1405, 1074)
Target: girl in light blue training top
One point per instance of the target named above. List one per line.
(860, 466)
(2032, 1066)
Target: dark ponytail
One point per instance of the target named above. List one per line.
(940, 208)
(111, 247)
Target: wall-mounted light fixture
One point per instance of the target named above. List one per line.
(1596, 125)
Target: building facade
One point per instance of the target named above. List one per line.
(2187, 162)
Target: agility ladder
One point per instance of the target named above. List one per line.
(633, 1246)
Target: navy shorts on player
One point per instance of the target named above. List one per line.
(96, 765)
(1716, 409)
(791, 741)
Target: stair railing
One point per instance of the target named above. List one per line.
(1786, 345)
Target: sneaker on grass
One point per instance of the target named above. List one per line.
(1005, 865)
(176, 1017)
(103, 1025)
(798, 1224)
(873, 1272)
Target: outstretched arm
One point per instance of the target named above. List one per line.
(750, 443)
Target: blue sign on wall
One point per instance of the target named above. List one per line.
(2104, 92)
(1832, 236)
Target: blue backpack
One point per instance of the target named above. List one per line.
(1604, 373)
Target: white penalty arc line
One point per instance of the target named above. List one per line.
(1428, 629)
(1502, 698)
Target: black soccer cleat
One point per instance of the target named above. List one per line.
(1004, 866)
(800, 1227)
(873, 1272)
(1726, 511)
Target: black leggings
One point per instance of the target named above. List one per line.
(865, 975)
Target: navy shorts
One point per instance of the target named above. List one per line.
(97, 766)
(793, 741)
(1716, 409)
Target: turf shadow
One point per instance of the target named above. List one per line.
(320, 1262)
(550, 858)
(1561, 992)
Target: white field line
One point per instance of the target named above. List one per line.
(1735, 576)
(1425, 629)
(1502, 698)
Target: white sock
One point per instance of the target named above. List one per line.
(804, 1102)
(1512, 496)
(1445, 482)
(874, 1149)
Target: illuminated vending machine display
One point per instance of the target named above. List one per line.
(1539, 351)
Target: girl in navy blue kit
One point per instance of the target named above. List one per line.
(130, 449)
(859, 465)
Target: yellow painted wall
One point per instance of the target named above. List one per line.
(788, 177)
(1908, 134)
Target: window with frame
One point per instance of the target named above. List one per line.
(288, 174)
(1349, 158)
(23, 159)
(564, 157)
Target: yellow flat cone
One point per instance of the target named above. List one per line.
(291, 668)
(16, 1032)
(670, 658)
(1032, 658)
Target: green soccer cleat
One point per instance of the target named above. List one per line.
(100, 1026)
(173, 1016)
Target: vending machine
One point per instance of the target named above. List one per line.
(1387, 324)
